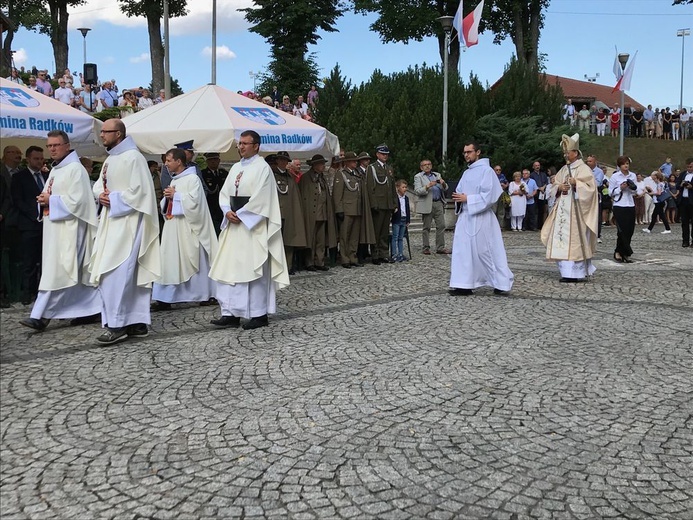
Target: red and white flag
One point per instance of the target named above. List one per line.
(468, 27)
(624, 81)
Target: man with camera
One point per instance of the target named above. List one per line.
(430, 189)
(685, 200)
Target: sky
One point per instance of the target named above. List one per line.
(580, 38)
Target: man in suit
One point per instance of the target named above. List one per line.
(380, 186)
(684, 184)
(430, 189)
(27, 184)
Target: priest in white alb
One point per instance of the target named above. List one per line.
(570, 231)
(125, 261)
(188, 240)
(478, 253)
(69, 223)
(250, 265)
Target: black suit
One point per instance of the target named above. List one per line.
(685, 208)
(25, 189)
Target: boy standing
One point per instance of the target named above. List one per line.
(400, 221)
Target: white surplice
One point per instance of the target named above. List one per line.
(478, 252)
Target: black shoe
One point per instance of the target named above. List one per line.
(377, 261)
(137, 330)
(569, 280)
(346, 266)
(627, 260)
(685, 244)
(311, 268)
(160, 306)
(460, 292)
(321, 268)
(226, 321)
(86, 320)
(256, 323)
(498, 292)
(357, 264)
(208, 303)
(38, 325)
(111, 336)
(292, 272)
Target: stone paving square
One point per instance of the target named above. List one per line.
(373, 394)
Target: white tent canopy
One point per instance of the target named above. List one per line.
(214, 117)
(26, 117)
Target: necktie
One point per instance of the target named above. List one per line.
(39, 180)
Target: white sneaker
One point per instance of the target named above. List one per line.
(599, 240)
(646, 231)
(666, 232)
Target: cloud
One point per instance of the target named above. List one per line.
(141, 58)
(223, 53)
(197, 21)
(20, 57)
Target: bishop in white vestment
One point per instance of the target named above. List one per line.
(251, 264)
(188, 240)
(478, 252)
(69, 223)
(126, 260)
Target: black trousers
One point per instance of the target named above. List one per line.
(659, 212)
(530, 221)
(30, 244)
(686, 214)
(625, 225)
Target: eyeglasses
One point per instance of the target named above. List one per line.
(241, 143)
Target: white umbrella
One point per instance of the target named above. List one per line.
(214, 117)
(26, 117)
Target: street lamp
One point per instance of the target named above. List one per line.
(682, 33)
(84, 31)
(253, 76)
(622, 59)
(592, 79)
(446, 23)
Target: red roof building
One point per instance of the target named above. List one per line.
(587, 93)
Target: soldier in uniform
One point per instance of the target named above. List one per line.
(349, 209)
(318, 214)
(293, 228)
(214, 178)
(380, 186)
(367, 238)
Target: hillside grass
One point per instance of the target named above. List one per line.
(646, 155)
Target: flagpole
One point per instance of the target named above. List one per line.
(446, 22)
(622, 59)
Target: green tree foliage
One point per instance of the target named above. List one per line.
(153, 11)
(30, 14)
(333, 99)
(523, 92)
(175, 88)
(403, 21)
(289, 27)
(682, 2)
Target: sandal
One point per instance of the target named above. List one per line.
(618, 257)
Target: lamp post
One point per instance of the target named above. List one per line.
(446, 23)
(253, 76)
(214, 42)
(592, 79)
(682, 33)
(622, 59)
(84, 31)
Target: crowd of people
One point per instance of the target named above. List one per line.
(637, 121)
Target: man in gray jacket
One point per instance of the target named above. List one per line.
(430, 189)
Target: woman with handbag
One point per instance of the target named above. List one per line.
(659, 197)
(671, 207)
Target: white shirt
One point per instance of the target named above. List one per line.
(621, 199)
(403, 205)
(64, 95)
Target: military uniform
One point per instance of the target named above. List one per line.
(318, 216)
(293, 228)
(348, 202)
(380, 186)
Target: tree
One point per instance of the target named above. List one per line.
(682, 2)
(402, 21)
(334, 98)
(58, 31)
(521, 21)
(289, 27)
(30, 14)
(153, 11)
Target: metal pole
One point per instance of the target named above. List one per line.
(445, 99)
(167, 66)
(683, 33)
(85, 49)
(214, 42)
(620, 140)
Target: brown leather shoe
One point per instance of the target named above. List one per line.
(444, 251)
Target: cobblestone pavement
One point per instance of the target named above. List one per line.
(372, 394)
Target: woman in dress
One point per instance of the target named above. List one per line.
(518, 201)
(671, 201)
(666, 124)
(640, 201)
(615, 120)
(622, 188)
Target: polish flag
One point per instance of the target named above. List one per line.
(470, 25)
(624, 81)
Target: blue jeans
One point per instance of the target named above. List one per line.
(397, 243)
